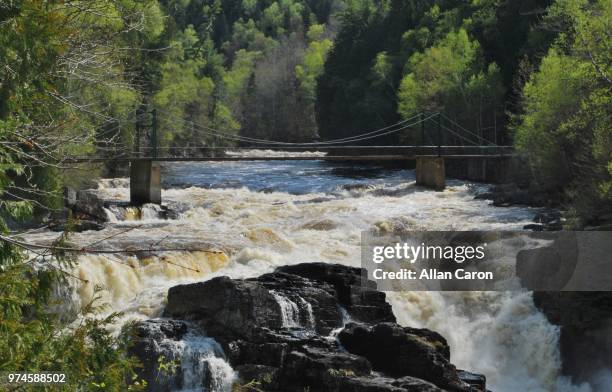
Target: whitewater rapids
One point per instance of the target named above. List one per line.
(253, 217)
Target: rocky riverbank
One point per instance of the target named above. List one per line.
(510, 194)
(585, 319)
(317, 327)
(85, 210)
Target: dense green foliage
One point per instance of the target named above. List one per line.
(80, 78)
(62, 88)
(566, 126)
(241, 67)
(531, 72)
(395, 58)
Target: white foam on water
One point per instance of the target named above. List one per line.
(200, 362)
(203, 364)
(346, 318)
(499, 334)
(289, 310)
(274, 153)
(309, 313)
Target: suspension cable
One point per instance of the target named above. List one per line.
(214, 132)
(314, 144)
(475, 143)
(467, 130)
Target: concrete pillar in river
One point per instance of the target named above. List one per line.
(145, 182)
(430, 172)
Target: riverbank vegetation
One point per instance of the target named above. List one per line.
(532, 73)
(81, 78)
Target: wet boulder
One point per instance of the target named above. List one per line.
(584, 319)
(478, 382)
(398, 352)
(325, 367)
(311, 365)
(89, 206)
(227, 309)
(238, 309)
(279, 331)
(353, 290)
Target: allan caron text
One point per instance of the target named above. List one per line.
(423, 253)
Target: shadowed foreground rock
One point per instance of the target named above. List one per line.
(316, 327)
(585, 319)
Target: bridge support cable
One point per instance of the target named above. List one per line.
(464, 138)
(376, 133)
(314, 144)
(479, 137)
(440, 126)
(249, 139)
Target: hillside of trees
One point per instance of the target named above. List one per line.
(533, 73)
(243, 67)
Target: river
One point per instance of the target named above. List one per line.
(259, 215)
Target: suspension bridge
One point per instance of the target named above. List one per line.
(427, 138)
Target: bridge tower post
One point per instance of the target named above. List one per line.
(439, 133)
(422, 120)
(154, 133)
(430, 172)
(137, 137)
(145, 173)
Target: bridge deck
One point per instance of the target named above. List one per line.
(292, 158)
(370, 153)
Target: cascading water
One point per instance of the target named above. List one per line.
(203, 364)
(194, 363)
(289, 311)
(294, 212)
(311, 323)
(346, 318)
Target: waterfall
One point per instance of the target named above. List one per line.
(501, 335)
(309, 313)
(150, 212)
(203, 366)
(293, 314)
(290, 312)
(346, 318)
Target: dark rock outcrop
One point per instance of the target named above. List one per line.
(317, 327)
(238, 309)
(508, 194)
(315, 292)
(478, 382)
(89, 206)
(83, 211)
(353, 290)
(399, 352)
(585, 319)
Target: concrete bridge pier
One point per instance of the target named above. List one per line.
(430, 172)
(145, 182)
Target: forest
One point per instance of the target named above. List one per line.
(79, 78)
